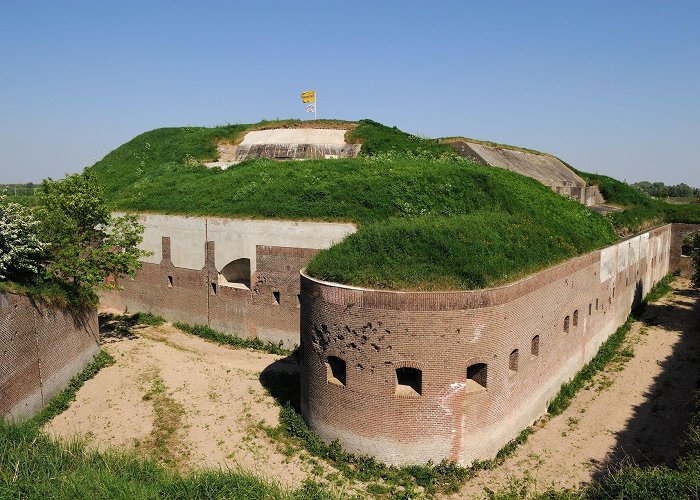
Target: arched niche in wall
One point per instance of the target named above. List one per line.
(236, 274)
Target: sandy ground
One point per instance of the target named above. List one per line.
(212, 394)
(634, 412)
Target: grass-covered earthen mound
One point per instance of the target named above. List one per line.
(428, 220)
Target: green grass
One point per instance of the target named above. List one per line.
(33, 465)
(56, 293)
(475, 250)
(640, 210)
(224, 339)
(455, 224)
(62, 401)
(377, 138)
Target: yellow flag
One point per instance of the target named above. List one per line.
(309, 96)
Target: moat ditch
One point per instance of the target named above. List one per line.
(189, 403)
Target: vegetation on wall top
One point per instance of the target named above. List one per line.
(68, 244)
(427, 218)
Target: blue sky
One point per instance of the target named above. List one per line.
(608, 86)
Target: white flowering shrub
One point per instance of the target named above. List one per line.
(21, 250)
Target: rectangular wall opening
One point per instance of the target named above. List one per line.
(276, 294)
(409, 381)
(576, 317)
(535, 346)
(566, 324)
(477, 376)
(213, 288)
(170, 281)
(335, 370)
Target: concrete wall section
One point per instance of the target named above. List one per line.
(41, 348)
(532, 336)
(295, 136)
(236, 238)
(266, 306)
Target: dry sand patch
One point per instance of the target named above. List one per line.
(187, 402)
(633, 412)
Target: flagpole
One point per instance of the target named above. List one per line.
(316, 105)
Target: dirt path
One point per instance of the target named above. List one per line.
(184, 401)
(634, 411)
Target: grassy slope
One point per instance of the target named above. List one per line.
(641, 210)
(428, 220)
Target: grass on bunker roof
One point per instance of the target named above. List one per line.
(428, 220)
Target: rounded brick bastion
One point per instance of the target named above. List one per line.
(409, 377)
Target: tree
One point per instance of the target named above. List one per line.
(86, 244)
(21, 250)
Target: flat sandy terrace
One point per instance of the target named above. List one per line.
(191, 404)
(184, 401)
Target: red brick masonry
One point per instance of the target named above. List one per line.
(415, 376)
(41, 348)
(269, 310)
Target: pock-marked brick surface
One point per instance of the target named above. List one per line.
(41, 348)
(268, 310)
(532, 336)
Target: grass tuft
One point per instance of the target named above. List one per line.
(62, 401)
(224, 339)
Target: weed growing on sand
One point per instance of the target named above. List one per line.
(609, 352)
(62, 401)
(221, 338)
(162, 443)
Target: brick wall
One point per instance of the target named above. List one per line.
(41, 348)
(682, 263)
(268, 310)
(569, 309)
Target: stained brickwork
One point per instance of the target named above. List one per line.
(443, 334)
(681, 262)
(41, 348)
(269, 310)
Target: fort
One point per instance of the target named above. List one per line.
(404, 375)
